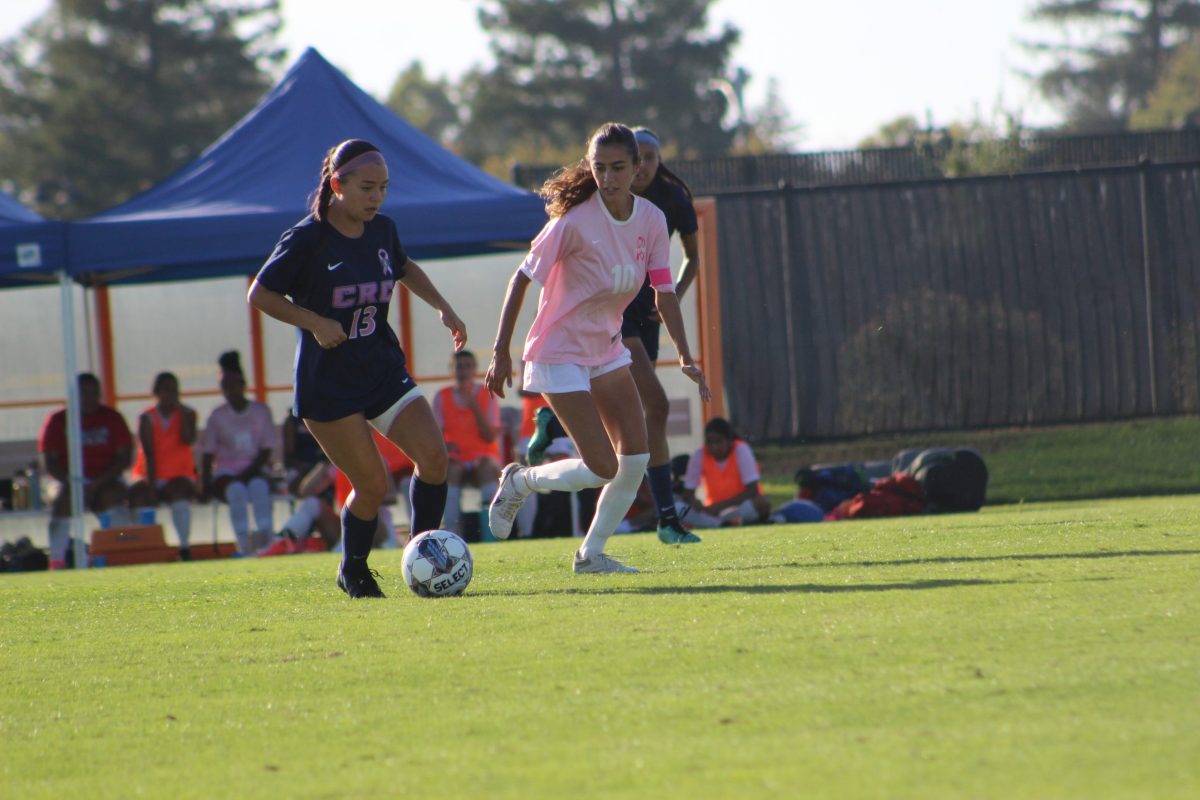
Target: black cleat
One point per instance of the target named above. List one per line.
(359, 582)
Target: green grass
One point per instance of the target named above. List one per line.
(1048, 650)
(1068, 462)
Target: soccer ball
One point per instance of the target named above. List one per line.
(437, 564)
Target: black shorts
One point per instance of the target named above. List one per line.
(634, 326)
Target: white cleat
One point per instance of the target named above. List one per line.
(598, 563)
(502, 513)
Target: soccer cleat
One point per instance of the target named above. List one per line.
(541, 438)
(675, 534)
(502, 513)
(598, 563)
(359, 582)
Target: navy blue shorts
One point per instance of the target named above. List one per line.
(644, 329)
(338, 400)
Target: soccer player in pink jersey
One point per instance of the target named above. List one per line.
(590, 259)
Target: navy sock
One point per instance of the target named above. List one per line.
(664, 498)
(357, 536)
(428, 504)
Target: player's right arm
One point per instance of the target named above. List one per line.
(328, 332)
(499, 372)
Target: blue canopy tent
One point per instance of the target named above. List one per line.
(33, 251)
(221, 214)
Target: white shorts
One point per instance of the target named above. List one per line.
(383, 423)
(559, 378)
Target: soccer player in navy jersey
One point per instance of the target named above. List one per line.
(640, 327)
(332, 276)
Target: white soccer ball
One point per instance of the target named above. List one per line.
(437, 564)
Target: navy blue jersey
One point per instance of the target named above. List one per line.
(351, 281)
(677, 207)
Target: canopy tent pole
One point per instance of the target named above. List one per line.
(104, 333)
(258, 359)
(74, 420)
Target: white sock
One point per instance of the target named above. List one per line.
(181, 516)
(453, 513)
(614, 503)
(260, 499)
(566, 475)
(237, 496)
(385, 519)
(302, 520)
(60, 538)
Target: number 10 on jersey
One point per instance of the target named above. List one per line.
(624, 278)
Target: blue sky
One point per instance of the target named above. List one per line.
(843, 68)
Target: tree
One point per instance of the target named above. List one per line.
(976, 146)
(1175, 101)
(565, 66)
(769, 128)
(1103, 81)
(99, 99)
(426, 104)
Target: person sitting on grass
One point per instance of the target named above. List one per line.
(727, 473)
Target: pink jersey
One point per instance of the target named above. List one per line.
(235, 439)
(590, 266)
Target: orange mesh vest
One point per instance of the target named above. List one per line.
(172, 458)
(461, 430)
(721, 481)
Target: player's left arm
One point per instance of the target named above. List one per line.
(691, 262)
(417, 281)
(672, 317)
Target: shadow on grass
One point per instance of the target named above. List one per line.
(789, 588)
(984, 559)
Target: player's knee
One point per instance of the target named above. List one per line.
(604, 466)
(433, 466)
(658, 408)
(371, 489)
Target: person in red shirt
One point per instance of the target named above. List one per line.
(165, 467)
(107, 449)
(469, 417)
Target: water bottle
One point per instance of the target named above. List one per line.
(35, 486)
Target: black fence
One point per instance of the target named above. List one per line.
(948, 304)
(938, 157)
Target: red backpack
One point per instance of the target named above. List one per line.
(897, 496)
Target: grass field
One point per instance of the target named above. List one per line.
(1036, 650)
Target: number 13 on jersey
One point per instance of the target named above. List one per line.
(363, 323)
